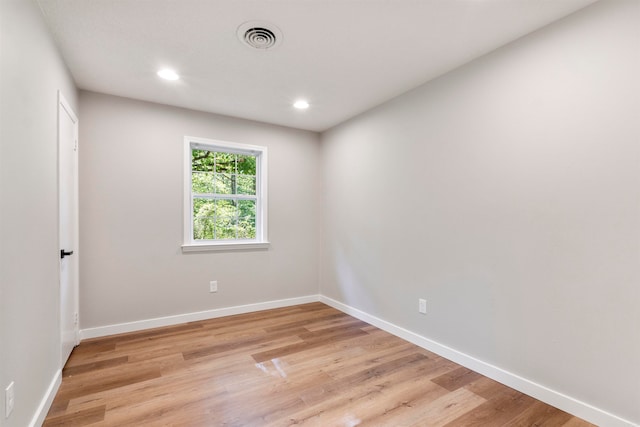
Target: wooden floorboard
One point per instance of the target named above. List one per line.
(305, 365)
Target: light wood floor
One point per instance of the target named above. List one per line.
(305, 365)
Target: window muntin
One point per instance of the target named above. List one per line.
(225, 193)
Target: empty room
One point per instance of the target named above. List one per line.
(320, 213)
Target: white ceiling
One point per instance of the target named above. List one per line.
(344, 56)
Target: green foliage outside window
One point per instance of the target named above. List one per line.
(223, 186)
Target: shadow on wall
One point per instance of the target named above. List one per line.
(352, 288)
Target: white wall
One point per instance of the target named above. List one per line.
(506, 193)
(131, 215)
(31, 73)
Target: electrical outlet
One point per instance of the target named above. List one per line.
(213, 286)
(422, 306)
(9, 400)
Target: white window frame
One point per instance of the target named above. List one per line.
(261, 241)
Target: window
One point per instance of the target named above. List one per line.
(225, 197)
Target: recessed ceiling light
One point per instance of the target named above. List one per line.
(301, 104)
(168, 74)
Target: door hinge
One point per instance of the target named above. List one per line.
(75, 145)
(76, 318)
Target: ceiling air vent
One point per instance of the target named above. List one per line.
(259, 35)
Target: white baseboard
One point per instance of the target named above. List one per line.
(566, 403)
(47, 400)
(139, 325)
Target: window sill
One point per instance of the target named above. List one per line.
(225, 247)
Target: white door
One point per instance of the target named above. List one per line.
(68, 228)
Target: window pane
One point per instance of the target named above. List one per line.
(203, 229)
(226, 210)
(246, 231)
(246, 219)
(202, 182)
(246, 184)
(246, 165)
(246, 208)
(202, 160)
(224, 230)
(203, 208)
(227, 213)
(224, 183)
(225, 162)
(203, 219)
